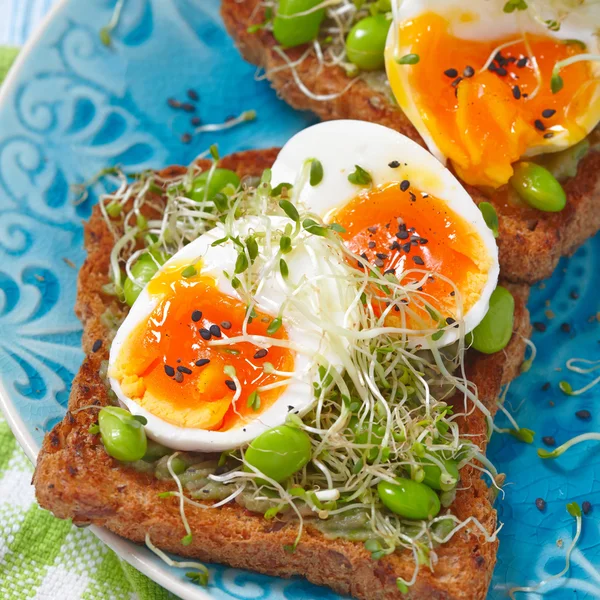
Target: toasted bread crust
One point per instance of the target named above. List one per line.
(530, 243)
(76, 479)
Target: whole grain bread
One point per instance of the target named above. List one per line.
(530, 243)
(76, 479)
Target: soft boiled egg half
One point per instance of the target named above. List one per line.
(412, 218)
(183, 360)
(476, 79)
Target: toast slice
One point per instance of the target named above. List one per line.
(530, 242)
(76, 479)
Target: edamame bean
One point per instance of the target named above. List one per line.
(154, 451)
(365, 43)
(291, 27)
(123, 436)
(409, 499)
(538, 187)
(433, 475)
(218, 180)
(143, 269)
(495, 330)
(280, 452)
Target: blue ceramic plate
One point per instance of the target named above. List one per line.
(73, 106)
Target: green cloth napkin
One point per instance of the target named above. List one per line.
(44, 557)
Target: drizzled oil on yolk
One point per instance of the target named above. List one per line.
(485, 122)
(170, 338)
(403, 230)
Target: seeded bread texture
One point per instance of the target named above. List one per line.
(76, 479)
(530, 242)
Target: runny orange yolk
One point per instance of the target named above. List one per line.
(401, 230)
(159, 368)
(485, 121)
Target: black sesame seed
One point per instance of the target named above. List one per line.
(549, 112)
(205, 334)
(230, 384)
(378, 263)
(423, 241)
(188, 107)
(170, 371)
(414, 242)
(522, 62)
(185, 370)
(215, 330)
(225, 325)
(196, 121)
(395, 245)
(538, 326)
(453, 293)
(364, 256)
(540, 504)
(406, 247)
(451, 73)
(174, 103)
(500, 59)
(186, 138)
(261, 353)
(539, 125)
(456, 82)
(418, 260)
(402, 235)
(549, 135)
(586, 507)
(381, 255)
(97, 345)
(450, 320)
(193, 95)
(413, 197)
(371, 244)
(511, 59)
(492, 67)
(549, 440)
(584, 415)
(372, 229)
(202, 361)
(196, 316)
(516, 91)
(390, 272)
(574, 295)
(565, 327)
(394, 164)
(178, 377)
(546, 386)
(469, 71)
(404, 185)
(501, 71)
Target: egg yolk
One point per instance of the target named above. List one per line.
(485, 118)
(168, 366)
(397, 228)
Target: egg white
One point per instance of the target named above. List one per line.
(325, 296)
(340, 145)
(486, 20)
